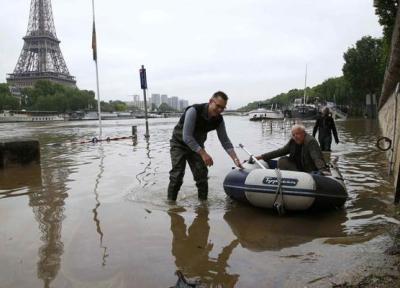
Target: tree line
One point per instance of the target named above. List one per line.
(363, 70)
(50, 96)
(363, 73)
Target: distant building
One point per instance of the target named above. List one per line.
(155, 99)
(164, 98)
(138, 102)
(183, 104)
(174, 102)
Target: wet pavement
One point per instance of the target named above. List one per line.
(96, 215)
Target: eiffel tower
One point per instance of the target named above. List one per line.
(41, 57)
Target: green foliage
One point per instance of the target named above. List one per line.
(106, 107)
(164, 107)
(332, 90)
(119, 106)
(113, 106)
(363, 69)
(7, 101)
(386, 11)
(49, 96)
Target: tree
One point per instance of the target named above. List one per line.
(106, 107)
(164, 107)
(49, 96)
(153, 107)
(7, 101)
(333, 90)
(119, 105)
(386, 11)
(363, 69)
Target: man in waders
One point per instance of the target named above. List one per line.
(325, 126)
(187, 144)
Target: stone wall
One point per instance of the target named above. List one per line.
(387, 123)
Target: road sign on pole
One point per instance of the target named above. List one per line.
(143, 85)
(143, 78)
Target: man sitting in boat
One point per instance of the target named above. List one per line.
(304, 153)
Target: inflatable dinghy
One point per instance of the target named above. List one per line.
(285, 190)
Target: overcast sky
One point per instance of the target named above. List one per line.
(251, 49)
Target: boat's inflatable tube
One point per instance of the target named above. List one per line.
(293, 190)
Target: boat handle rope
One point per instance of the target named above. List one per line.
(279, 204)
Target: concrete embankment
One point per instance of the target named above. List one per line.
(389, 106)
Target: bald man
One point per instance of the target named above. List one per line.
(304, 153)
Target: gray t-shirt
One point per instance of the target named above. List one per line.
(188, 130)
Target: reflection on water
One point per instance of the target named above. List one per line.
(48, 206)
(263, 231)
(141, 177)
(191, 249)
(15, 180)
(98, 179)
(98, 204)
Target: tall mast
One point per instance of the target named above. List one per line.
(305, 87)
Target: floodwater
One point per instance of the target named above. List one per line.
(96, 215)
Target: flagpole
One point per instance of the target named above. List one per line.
(305, 87)
(94, 47)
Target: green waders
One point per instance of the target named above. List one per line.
(179, 155)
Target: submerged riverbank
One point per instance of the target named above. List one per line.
(96, 214)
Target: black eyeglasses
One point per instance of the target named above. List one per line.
(219, 106)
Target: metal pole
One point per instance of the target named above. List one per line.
(145, 114)
(305, 86)
(143, 84)
(98, 100)
(97, 80)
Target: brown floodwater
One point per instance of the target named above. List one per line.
(96, 215)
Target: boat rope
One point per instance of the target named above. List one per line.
(279, 204)
(94, 140)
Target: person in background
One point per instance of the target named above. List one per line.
(187, 144)
(304, 153)
(325, 125)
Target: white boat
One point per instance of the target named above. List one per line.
(108, 115)
(91, 115)
(126, 115)
(30, 116)
(263, 114)
(276, 189)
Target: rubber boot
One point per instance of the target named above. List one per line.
(173, 191)
(202, 190)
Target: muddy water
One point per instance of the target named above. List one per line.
(96, 215)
